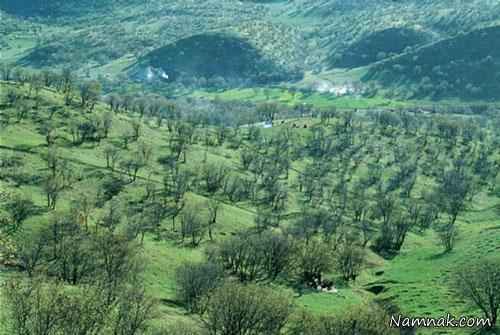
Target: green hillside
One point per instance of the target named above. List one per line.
(215, 57)
(251, 167)
(380, 45)
(104, 39)
(333, 165)
(466, 66)
(57, 8)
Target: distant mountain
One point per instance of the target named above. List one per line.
(466, 66)
(107, 38)
(54, 8)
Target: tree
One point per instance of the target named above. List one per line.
(50, 133)
(106, 121)
(192, 225)
(252, 256)
(134, 164)
(89, 94)
(453, 188)
(6, 71)
(36, 85)
(447, 234)
(452, 192)
(136, 130)
(112, 215)
(47, 308)
(116, 259)
(214, 176)
(237, 188)
(12, 96)
(140, 106)
(84, 201)
(267, 111)
(250, 310)
(479, 282)
(52, 187)
(264, 220)
(313, 260)
(195, 280)
(310, 222)
(387, 210)
(19, 208)
(146, 220)
(277, 254)
(247, 157)
(134, 311)
(349, 259)
(214, 209)
(29, 251)
(67, 83)
(175, 186)
(178, 147)
(33, 308)
(113, 101)
(112, 154)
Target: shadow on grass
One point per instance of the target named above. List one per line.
(439, 255)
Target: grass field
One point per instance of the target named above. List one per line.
(289, 98)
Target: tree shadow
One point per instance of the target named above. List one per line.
(439, 255)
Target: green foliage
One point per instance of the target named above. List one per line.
(238, 309)
(464, 66)
(215, 60)
(195, 280)
(380, 45)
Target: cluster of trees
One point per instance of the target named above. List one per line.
(78, 281)
(228, 307)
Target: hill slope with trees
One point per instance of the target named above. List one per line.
(184, 213)
(465, 66)
(104, 39)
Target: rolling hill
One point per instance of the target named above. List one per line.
(380, 45)
(215, 57)
(466, 66)
(107, 39)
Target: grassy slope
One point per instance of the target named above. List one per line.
(416, 279)
(290, 98)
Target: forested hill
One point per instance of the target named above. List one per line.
(54, 8)
(466, 66)
(108, 38)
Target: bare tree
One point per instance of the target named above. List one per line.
(214, 209)
(480, 284)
